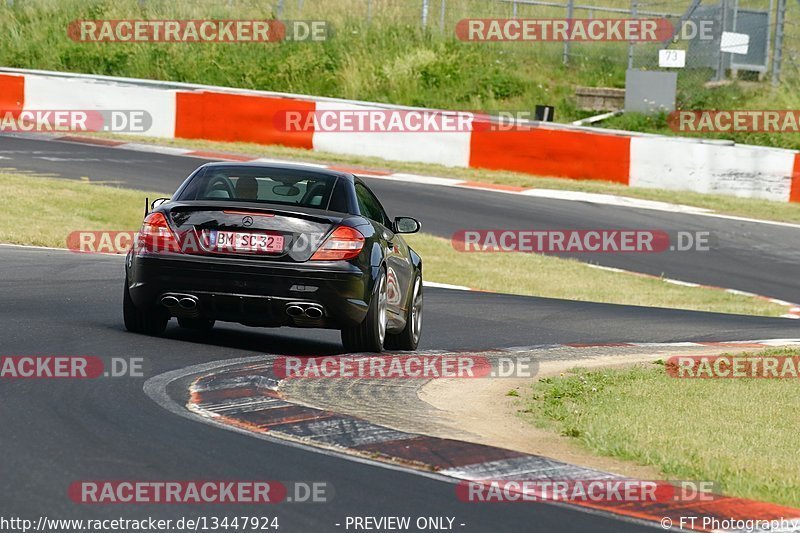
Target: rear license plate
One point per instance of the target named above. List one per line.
(235, 241)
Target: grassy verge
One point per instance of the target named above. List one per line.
(380, 52)
(553, 277)
(745, 207)
(61, 206)
(76, 205)
(739, 433)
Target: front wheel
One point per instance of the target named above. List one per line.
(149, 321)
(408, 339)
(370, 334)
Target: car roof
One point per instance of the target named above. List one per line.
(284, 166)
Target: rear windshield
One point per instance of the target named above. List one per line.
(262, 185)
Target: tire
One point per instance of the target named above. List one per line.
(151, 321)
(197, 324)
(408, 339)
(371, 333)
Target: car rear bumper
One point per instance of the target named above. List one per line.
(250, 292)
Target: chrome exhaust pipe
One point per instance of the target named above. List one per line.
(188, 302)
(314, 311)
(294, 310)
(169, 301)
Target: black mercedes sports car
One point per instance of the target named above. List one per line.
(276, 245)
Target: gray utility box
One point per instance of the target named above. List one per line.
(650, 91)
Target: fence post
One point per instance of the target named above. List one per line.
(425, 13)
(720, 74)
(634, 12)
(570, 5)
(777, 54)
(441, 15)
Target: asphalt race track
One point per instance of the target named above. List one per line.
(58, 302)
(748, 256)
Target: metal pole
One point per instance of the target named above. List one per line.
(634, 7)
(280, 8)
(777, 55)
(570, 6)
(514, 9)
(369, 12)
(441, 15)
(720, 75)
(679, 26)
(424, 13)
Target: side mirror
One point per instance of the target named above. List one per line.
(406, 225)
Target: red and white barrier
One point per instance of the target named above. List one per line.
(444, 148)
(222, 114)
(688, 165)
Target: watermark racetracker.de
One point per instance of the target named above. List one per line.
(75, 120)
(362, 120)
(735, 120)
(585, 491)
(580, 241)
(69, 367)
(438, 366)
(733, 367)
(198, 31)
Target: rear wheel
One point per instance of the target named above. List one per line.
(408, 339)
(151, 321)
(371, 333)
(197, 324)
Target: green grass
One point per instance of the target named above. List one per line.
(62, 206)
(739, 433)
(552, 277)
(387, 57)
(80, 205)
(745, 207)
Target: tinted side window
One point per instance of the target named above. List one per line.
(339, 197)
(369, 205)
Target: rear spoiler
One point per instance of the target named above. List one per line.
(318, 215)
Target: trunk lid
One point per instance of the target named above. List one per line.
(274, 233)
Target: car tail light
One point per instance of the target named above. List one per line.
(344, 243)
(156, 235)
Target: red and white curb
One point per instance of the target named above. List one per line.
(243, 396)
(792, 311)
(762, 343)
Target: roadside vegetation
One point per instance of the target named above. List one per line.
(554, 277)
(84, 205)
(71, 205)
(380, 52)
(739, 433)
